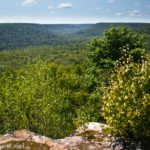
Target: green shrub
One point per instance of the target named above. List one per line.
(126, 101)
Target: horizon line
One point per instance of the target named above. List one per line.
(74, 23)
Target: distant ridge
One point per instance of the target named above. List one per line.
(20, 35)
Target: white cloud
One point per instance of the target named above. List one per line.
(111, 1)
(50, 7)
(65, 5)
(29, 2)
(134, 13)
(119, 14)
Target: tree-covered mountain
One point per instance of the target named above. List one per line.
(99, 28)
(20, 35)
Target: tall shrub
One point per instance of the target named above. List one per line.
(126, 101)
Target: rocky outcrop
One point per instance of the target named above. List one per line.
(88, 137)
(25, 140)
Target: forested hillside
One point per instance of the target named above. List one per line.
(14, 36)
(99, 28)
(24, 35)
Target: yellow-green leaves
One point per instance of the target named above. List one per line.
(126, 101)
(43, 98)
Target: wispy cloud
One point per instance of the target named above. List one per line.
(65, 5)
(50, 7)
(119, 14)
(134, 13)
(111, 1)
(52, 19)
(29, 2)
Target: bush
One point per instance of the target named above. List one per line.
(126, 101)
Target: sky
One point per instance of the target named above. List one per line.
(74, 11)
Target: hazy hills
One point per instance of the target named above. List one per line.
(20, 35)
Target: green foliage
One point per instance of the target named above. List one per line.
(46, 98)
(137, 53)
(59, 55)
(126, 101)
(42, 98)
(105, 51)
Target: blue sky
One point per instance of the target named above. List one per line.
(74, 11)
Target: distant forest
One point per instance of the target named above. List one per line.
(20, 35)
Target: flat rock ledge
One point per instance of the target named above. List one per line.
(88, 137)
